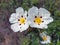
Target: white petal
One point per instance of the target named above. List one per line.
(24, 27)
(20, 10)
(13, 18)
(43, 42)
(25, 13)
(15, 27)
(49, 38)
(43, 26)
(33, 11)
(47, 20)
(38, 26)
(43, 12)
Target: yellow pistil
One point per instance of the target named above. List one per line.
(22, 20)
(44, 38)
(38, 20)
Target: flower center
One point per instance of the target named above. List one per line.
(38, 20)
(22, 20)
(44, 38)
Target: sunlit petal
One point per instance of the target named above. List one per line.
(43, 12)
(13, 18)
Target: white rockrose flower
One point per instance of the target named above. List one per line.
(39, 18)
(46, 38)
(19, 20)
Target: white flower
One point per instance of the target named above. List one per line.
(19, 20)
(39, 18)
(46, 38)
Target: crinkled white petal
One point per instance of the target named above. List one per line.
(15, 27)
(13, 18)
(47, 20)
(20, 10)
(24, 27)
(45, 42)
(33, 12)
(43, 12)
(38, 26)
(25, 13)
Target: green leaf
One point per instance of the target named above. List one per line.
(34, 1)
(25, 41)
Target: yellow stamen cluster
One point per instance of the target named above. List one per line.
(22, 20)
(38, 20)
(44, 38)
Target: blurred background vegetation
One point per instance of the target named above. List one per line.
(31, 38)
